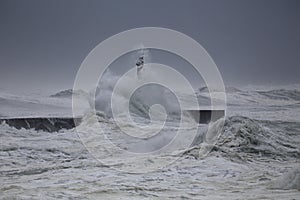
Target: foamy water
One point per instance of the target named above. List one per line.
(256, 157)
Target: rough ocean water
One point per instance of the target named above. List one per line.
(256, 157)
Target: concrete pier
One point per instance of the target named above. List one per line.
(56, 124)
(206, 116)
(45, 124)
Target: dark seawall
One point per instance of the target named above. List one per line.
(45, 124)
(206, 116)
(53, 124)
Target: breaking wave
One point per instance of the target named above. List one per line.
(140, 102)
(281, 94)
(247, 139)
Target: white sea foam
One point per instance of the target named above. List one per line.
(256, 157)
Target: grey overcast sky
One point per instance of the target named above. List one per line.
(43, 42)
